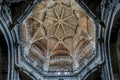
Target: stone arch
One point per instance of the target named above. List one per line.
(115, 46)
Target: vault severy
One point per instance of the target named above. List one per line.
(57, 35)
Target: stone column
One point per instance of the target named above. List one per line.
(75, 63)
(46, 64)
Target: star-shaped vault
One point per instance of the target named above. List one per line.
(56, 33)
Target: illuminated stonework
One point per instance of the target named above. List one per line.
(58, 35)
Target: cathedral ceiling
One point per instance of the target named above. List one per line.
(58, 35)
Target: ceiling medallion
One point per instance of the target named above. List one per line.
(58, 35)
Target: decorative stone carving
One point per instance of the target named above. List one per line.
(60, 29)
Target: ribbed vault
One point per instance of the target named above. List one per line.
(58, 35)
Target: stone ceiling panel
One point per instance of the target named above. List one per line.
(55, 30)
